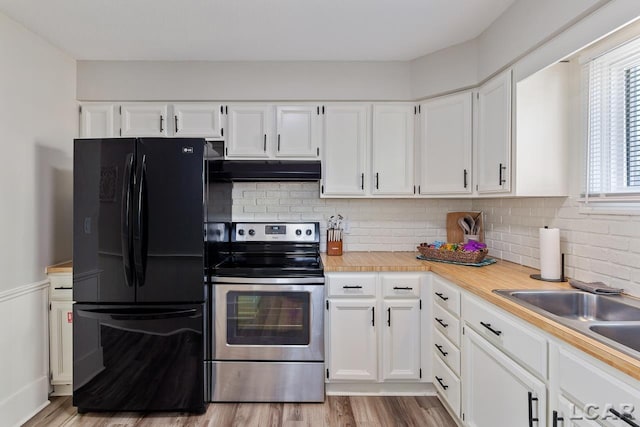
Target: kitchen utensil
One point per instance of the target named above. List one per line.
(471, 223)
(464, 225)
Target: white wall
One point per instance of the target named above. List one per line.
(446, 70)
(523, 26)
(238, 81)
(376, 224)
(38, 121)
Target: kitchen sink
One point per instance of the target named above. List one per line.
(611, 319)
(579, 305)
(627, 335)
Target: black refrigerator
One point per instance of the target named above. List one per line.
(138, 282)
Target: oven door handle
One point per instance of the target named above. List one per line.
(268, 280)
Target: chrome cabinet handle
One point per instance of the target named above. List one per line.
(176, 120)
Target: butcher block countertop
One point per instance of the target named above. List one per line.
(64, 267)
(482, 281)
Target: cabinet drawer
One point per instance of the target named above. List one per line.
(446, 351)
(351, 284)
(447, 324)
(400, 285)
(507, 333)
(447, 384)
(591, 385)
(61, 286)
(446, 295)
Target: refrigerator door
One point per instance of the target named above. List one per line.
(168, 225)
(138, 358)
(102, 234)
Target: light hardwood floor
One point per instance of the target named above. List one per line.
(340, 411)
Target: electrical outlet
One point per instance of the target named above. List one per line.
(346, 226)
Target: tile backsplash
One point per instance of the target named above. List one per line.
(374, 224)
(597, 247)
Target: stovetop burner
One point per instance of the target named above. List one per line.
(273, 250)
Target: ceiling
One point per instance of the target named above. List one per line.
(254, 30)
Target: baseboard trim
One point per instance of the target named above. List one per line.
(380, 389)
(23, 290)
(29, 400)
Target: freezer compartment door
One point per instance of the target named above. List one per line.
(132, 358)
(168, 228)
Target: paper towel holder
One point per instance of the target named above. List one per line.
(561, 279)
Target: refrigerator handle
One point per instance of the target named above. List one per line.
(136, 314)
(125, 220)
(140, 236)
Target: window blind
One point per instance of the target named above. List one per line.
(613, 154)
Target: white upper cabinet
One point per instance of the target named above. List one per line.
(345, 138)
(97, 120)
(393, 149)
(543, 113)
(198, 120)
(144, 119)
(446, 145)
(298, 131)
(493, 148)
(250, 130)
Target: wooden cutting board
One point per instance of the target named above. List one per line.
(455, 234)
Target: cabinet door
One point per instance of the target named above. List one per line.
(401, 340)
(569, 414)
(97, 120)
(393, 149)
(497, 391)
(198, 120)
(145, 119)
(61, 340)
(445, 145)
(298, 131)
(345, 136)
(352, 340)
(249, 131)
(494, 135)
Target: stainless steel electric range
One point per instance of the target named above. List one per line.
(267, 299)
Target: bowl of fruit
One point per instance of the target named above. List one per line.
(471, 252)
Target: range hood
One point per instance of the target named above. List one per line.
(264, 170)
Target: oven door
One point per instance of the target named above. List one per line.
(283, 322)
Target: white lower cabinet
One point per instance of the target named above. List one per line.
(401, 340)
(498, 391)
(568, 414)
(352, 340)
(591, 391)
(60, 332)
(374, 327)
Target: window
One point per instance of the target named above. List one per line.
(613, 154)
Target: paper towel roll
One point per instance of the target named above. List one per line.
(550, 258)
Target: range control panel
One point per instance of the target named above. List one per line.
(276, 232)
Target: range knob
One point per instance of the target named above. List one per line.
(309, 232)
(298, 232)
(252, 232)
(241, 232)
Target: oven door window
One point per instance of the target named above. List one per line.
(268, 318)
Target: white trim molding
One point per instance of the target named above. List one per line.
(24, 340)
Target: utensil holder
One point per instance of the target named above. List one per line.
(334, 247)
